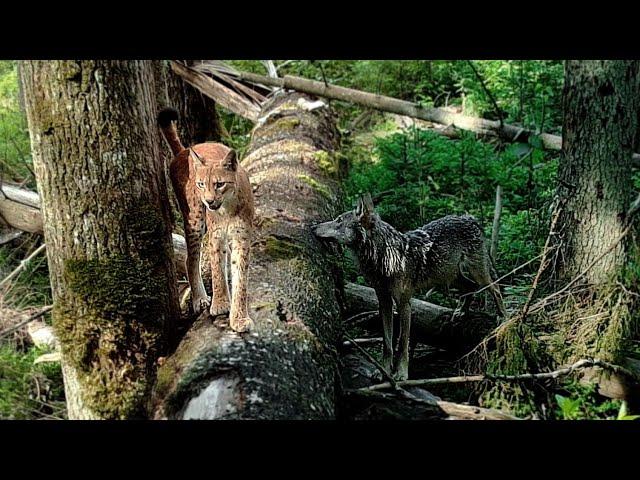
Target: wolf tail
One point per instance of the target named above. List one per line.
(166, 119)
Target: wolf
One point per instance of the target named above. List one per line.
(214, 193)
(448, 252)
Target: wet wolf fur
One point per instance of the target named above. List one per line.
(448, 252)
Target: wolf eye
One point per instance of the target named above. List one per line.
(200, 185)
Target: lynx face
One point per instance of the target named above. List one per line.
(216, 183)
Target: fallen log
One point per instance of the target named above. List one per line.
(431, 324)
(285, 368)
(20, 208)
(510, 133)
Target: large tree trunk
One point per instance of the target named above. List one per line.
(601, 104)
(286, 367)
(105, 211)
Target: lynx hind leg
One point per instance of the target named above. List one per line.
(240, 237)
(220, 304)
(194, 228)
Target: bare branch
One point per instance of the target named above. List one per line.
(580, 364)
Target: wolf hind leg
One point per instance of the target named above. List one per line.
(385, 307)
(484, 274)
(401, 354)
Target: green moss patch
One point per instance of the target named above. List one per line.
(317, 186)
(111, 324)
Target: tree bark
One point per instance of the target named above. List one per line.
(285, 368)
(601, 101)
(106, 217)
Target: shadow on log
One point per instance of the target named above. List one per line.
(286, 367)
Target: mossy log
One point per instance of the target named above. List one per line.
(430, 324)
(285, 368)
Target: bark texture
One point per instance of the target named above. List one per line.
(106, 226)
(285, 368)
(601, 104)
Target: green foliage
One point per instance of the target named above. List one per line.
(419, 176)
(15, 158)
(582, 402)
(623, 413)
(21, 381)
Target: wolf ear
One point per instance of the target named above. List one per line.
(230, 162)
(365, 210)
(199, 160)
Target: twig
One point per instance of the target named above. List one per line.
(495, 230)
(23, 264)
(487, 91)
(24, 322)
(543, 264)
(495, 282)
(391, 381)
(362, 315)
(580, 364)
(362, 341)
(283, 64)
(545, 300)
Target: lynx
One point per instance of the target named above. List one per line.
(214, 194)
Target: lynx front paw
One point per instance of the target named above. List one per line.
(241, 324)
(219, 309)
(200, 304)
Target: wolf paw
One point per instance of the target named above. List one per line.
(400, 375)
(219, 309)
(241, 324)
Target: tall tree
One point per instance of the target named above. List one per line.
(601, 105)
(106, 217)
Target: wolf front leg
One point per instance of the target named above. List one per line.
(401, 354)
(218, 246)
(385, 307)
(240, 237)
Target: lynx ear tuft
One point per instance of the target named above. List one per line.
(230, 162)
(198, 158)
